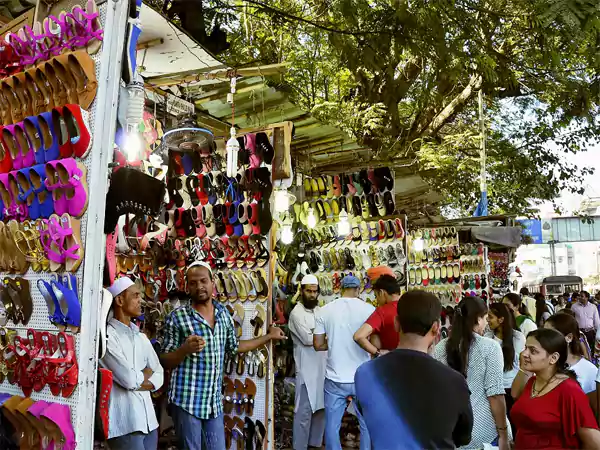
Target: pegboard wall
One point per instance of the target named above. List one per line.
(39, 320)
(260, 401)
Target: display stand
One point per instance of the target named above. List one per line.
(101, 123)
(109, 76)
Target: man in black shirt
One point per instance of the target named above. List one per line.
(408, 399)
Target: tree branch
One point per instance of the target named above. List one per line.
(453, 107)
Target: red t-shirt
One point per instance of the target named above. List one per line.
(382, 322)
(552, 420)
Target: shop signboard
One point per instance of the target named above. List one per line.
(533, 229)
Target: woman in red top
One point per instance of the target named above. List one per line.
(552, 412)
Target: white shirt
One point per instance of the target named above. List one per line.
(587, 316)
(527, 327)
(485, 369)
(339, 320)
(519, 345)
(310, 364)
(128, 353)
(587, 374)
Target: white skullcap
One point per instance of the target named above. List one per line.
(309, 279)
(200, 264)
(120, 285)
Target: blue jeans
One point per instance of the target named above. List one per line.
(197, 434)
(135, 441)
(335, 405)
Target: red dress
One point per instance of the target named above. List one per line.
(552, 420)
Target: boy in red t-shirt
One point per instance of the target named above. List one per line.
(378, 334)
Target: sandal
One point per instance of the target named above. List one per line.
(250, 390)
(258, 320)
(228, 399)
(240, 391)
(238, 319)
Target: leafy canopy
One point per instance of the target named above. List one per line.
(402, 77)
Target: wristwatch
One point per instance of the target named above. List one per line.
(377, 354)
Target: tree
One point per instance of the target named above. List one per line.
(402, 76)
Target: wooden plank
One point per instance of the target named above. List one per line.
(19, 22)
(210, 73)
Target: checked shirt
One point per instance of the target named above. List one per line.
(196, 383)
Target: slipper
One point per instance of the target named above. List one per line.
(250, 390)
(259, 317)
(424, 276)
(249, 432)
(261, 434)
(229, 399)
(412, 277)
(240, 389)
(238, 319)
(72, 250)
(238, 433)
(228, 424)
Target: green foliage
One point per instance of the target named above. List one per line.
(402, 77)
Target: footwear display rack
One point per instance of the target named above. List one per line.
(83, 278)
(370, 244)
(438, 263)
(225, 222)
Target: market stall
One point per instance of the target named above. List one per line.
(58, 120)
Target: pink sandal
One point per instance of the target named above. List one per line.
(88, 33)
(73, 180)
(60, 416)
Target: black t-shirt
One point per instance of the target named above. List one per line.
(411, 401)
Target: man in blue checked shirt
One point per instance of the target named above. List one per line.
(197, 337)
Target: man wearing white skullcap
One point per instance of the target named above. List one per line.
(309, 416)
(136, 372)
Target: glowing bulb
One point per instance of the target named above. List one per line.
(282, 201)
(232, 147)
(343, 224)
(133, 146)
(286, 233)
(418, 244)
(311, 218)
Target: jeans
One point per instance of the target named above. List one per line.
(135, 441)
(197, 434)
(335, 405)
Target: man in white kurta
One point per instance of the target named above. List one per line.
(309, 415)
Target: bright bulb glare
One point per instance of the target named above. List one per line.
(418, 244)
(343, 224)
(286, 234)
(311, 218)
(282, 201)
(133, 146)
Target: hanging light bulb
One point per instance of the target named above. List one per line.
(286, 233)
(232, 147)
(311, 218)
(343, 224)
(282, 200)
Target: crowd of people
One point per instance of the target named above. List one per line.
(519, 372)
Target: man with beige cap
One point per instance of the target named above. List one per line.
(309, 416)
(136, 372)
